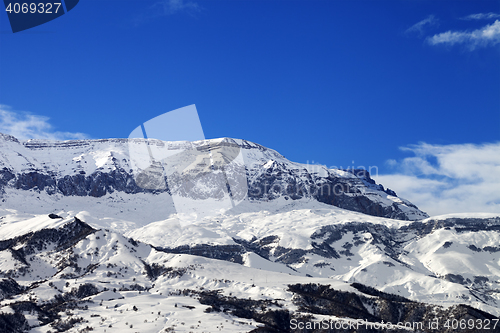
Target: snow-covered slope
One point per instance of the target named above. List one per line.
(113, 172)
(438, 260)
(65, 275)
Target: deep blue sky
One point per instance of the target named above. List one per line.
(329, 81)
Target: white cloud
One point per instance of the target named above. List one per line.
(166, 8)
(486, 36)
(173, 6)
(449, 179)
(481, 16)
(420, 26)
(25, 126)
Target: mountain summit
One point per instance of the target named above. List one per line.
(205, 173)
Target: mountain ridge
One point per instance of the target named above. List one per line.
(97, 168)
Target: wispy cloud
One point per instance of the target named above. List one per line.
(422, 25)
(166, 8)
(173, 6)
(443, 179)
(486, 36)
(24, 125)
(481, 16)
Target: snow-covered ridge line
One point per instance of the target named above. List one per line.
(8, 137)
(42, 143)
(99, 167)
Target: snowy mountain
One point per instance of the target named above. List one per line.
(252, 273)
(86, 244)
(54, 173)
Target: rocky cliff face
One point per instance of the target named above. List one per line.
(97, 168)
